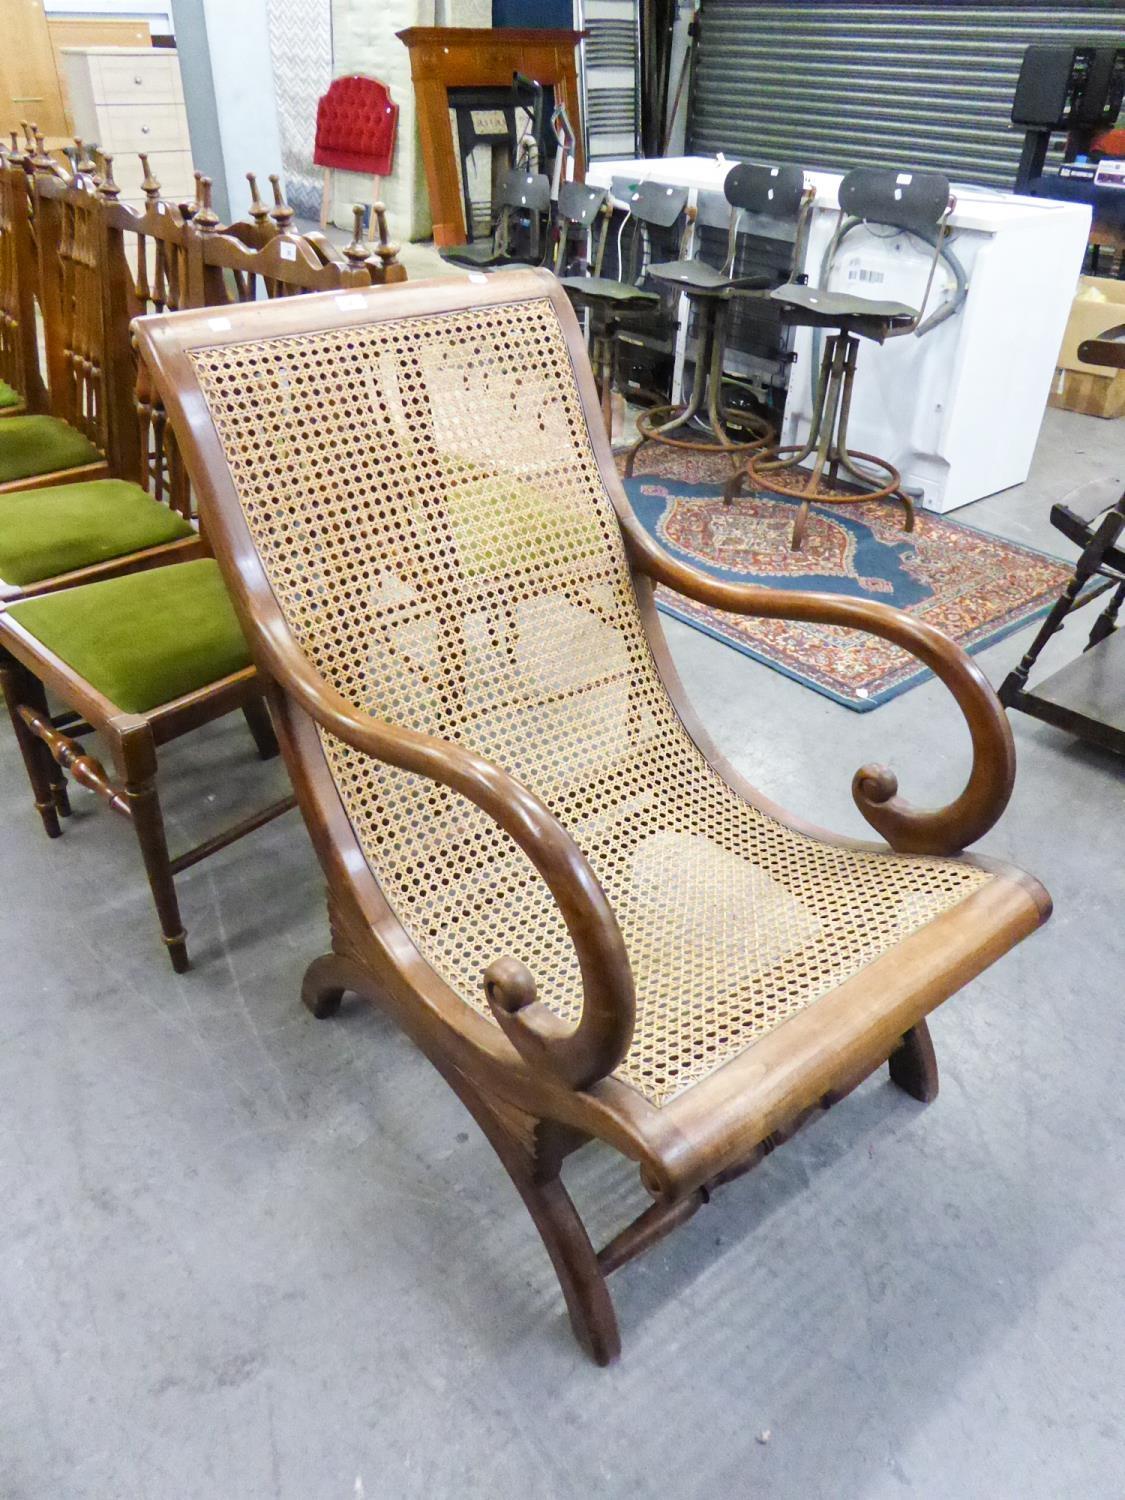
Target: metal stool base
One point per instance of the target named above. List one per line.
(781, 471)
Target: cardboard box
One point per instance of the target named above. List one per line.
(1096, 390)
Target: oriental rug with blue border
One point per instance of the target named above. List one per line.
(976, 587)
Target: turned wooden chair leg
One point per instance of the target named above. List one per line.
(35, 695)
(800, 526)
(537, 1181)
(37, 759)
(257, 717)
(138, 753)
(914, 1066)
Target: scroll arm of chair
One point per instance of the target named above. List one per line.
(908, 830)
(577, 1056)
(1107, 349)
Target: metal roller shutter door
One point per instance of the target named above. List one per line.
(839, 86)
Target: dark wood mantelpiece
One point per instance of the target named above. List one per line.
(445, 57)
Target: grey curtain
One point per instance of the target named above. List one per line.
(301, 52)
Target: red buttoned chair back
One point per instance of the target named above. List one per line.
(355, 126)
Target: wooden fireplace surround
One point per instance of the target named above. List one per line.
(451, 57)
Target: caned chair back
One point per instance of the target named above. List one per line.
(413, 496)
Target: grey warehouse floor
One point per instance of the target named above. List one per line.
(246, 1255)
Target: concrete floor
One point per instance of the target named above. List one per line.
(246, 1255)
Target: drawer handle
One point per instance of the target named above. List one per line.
(137, 78)
(144, 130)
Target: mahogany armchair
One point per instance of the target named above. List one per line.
(536, 861)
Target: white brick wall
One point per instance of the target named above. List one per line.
(364, 41)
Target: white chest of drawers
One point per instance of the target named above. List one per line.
(128, 100)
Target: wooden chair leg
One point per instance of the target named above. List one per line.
(257, 717)
(35, 695)
(323, 986)
(37, 759)
(914, 1066)
(536, 1177)
(800, 526)
(138, 753)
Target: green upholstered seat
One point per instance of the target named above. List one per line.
(8, 397)
(144, 639)
(47, 532)
(41, 445)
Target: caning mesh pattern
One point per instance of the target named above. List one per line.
(431, 517)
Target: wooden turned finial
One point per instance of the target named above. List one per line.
(206, 218)
(258, 210)
(107, 188)
(83, 161)
(149, 185)
(41, 159)
(385, 248)
(280, 213)
(28, 137)
(356, 252)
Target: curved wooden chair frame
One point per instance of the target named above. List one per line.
(540, 1088)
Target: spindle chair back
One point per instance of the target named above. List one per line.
(21, 381)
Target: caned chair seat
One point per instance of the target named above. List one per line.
(46, 533)
(837, 307)
(144, 639)
(41, 445)
(9, 397)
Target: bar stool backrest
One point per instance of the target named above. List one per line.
(776, 192)
(523, 194)
(649, 207)
(577, 211)
(914, 202)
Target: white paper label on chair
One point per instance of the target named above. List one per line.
(904, 179)
(288, 252)
(351, 303)
(478, 276)
(160, 208)
(218, 325)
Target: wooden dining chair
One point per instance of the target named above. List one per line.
(536, 860)
(147, 656)
(70, 442)
(21, 382)
(138, 515)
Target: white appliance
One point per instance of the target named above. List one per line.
(957, 411)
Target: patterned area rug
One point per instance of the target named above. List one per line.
(976, 587)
